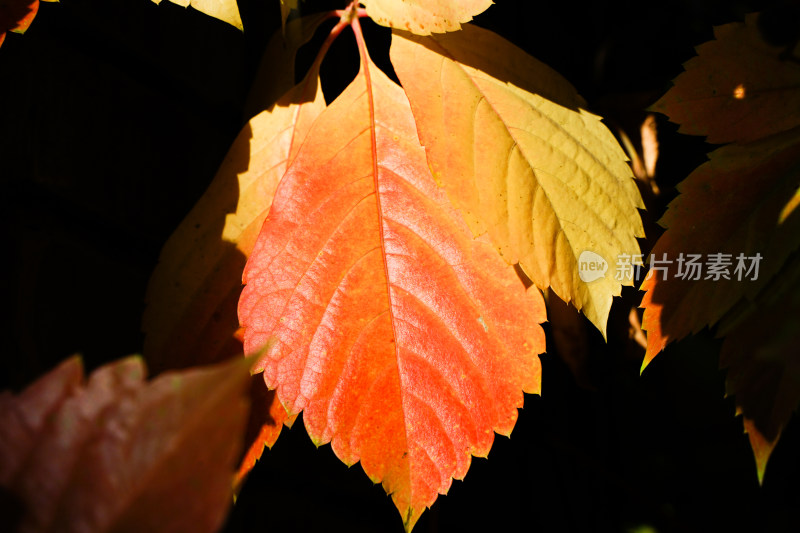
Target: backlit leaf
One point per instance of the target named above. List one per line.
(118, 454)
(738, 88)
(424, 17)
(224, 10)
(507, 138)
(406, 342)
(729, 205)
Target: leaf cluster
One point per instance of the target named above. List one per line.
(402, 244)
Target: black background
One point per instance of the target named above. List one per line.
(114, 116)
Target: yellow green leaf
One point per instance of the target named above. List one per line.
(508, 139)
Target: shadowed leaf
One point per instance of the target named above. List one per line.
(737, 89)
(118, 454)
(192, 296)
(276, 73)
(729, 205)
(286, 7)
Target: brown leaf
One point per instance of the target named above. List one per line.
(119, 454)
(761, 355)
(737, 89)
(729, 205)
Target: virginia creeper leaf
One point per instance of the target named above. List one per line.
(760, 353)
(406, 342)
(118, 454)
(737, 89)
(424, 17)
(742, 203)
(224, 10)
(192, 296)
(506, 137)
(729, 205)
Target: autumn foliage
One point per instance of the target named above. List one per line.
(386, 260)
(737, 90)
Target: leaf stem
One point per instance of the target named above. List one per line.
(334, 33)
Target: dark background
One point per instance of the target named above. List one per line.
(114, 116)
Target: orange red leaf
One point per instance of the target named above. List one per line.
(760, 353)
(406, 343)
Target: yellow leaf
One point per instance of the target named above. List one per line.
(424, 17)
(730, 205)
(224, 10)
(506, 137)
